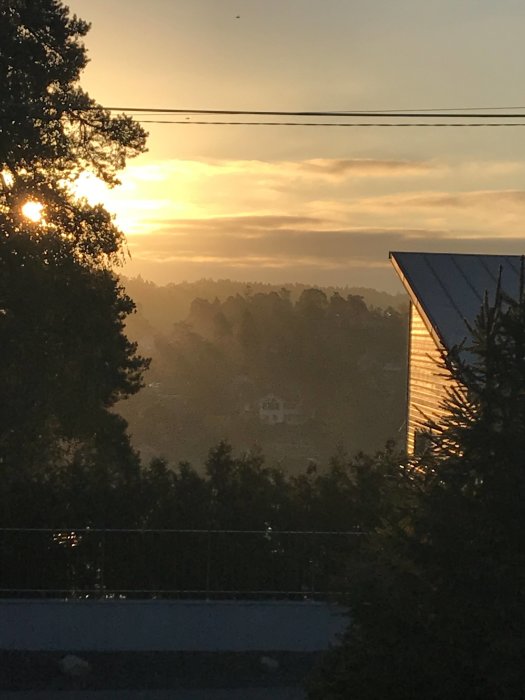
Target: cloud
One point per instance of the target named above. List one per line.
(363, 167)
(426, 200)
(460, 200)
(308, 219)
(489, 168)
(341, 191)
(293, 248)
(314, 167)
(242, 223)
(280, 253)
(485, 212)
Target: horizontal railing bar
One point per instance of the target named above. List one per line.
(88, 530)
(122, 591)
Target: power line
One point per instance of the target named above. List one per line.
(407, 114)
(188, 122)
(146, 115)
(449, 109)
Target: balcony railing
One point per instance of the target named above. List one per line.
(130, 563)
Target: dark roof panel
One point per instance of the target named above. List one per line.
(449, 288)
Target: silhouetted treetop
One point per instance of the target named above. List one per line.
(52, 132)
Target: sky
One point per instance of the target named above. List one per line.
(319, 205)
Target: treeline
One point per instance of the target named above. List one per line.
(337, 364)
(66, 515)
(163, 305)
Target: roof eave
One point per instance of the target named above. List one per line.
(417, 304)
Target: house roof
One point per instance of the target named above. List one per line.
(448, 288)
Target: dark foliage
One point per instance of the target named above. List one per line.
(235, 525)
(64, 357)
(438, 612)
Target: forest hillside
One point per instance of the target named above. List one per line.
(298, 372)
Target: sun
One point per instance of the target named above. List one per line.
(33, 211)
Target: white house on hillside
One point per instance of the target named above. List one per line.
(274, 410)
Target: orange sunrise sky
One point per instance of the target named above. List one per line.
(318, 205)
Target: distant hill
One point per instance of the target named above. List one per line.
(163, 305)
(297, 371)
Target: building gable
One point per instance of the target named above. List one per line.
(446, 292)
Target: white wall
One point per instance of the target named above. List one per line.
(154, 625)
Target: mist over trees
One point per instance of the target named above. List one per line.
(164, 305)
(331, 366)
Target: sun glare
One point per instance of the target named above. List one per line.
(92, 188)
(33, 211)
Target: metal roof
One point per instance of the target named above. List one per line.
(448, 288)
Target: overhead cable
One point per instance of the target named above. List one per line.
(407, 114)
(331, 124)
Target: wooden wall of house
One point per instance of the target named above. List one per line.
(426, 383)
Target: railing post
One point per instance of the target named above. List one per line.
(208, 566)
(102, 569)
(312, 565)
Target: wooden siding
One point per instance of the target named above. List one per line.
(426, 383)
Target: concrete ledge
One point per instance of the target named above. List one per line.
(122, 671)
(175, 625)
